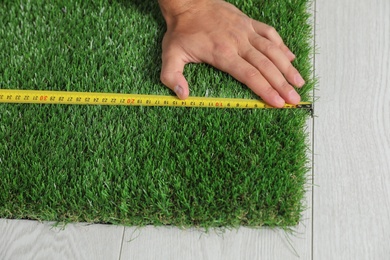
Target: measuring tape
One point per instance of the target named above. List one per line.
(94, 98)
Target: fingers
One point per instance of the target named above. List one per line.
(262, 74)
(272, 74)
(261, 61)
(249, 75)
(172, 73)
(276, 55)
(271, 34)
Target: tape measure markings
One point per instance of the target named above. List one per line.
(96, 98)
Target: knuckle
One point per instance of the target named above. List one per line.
(284, 86)
(268, 91)
(265, 64)
(270, 47)
(270, 31)
(224, 50)
(234, 38)
(288, 71)
(222, 55)
(164, 77)
(251, 73)
(291, 70)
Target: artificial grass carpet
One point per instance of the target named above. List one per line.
(142, 165)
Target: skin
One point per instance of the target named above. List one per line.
(217, 33)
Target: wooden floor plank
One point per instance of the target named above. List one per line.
(352, 131)
(21, 239)
(173, 243)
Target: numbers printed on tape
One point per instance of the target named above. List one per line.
(93, 98)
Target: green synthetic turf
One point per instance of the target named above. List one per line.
(142, 165)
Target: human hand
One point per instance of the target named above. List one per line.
(217, 33)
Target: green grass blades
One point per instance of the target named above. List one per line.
(142, 165)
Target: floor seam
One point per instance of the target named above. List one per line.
(313, 127)
(121, 247)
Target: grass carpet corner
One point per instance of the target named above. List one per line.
(142, 165)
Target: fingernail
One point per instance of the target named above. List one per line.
(294, 96)
(290, 55)
(299, 81)
(178, 90)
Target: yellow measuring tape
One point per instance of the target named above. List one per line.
(94, 98)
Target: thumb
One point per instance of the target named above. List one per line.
(172, 74)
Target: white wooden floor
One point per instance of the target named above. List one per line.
(349, 205)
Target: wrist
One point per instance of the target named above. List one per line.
(171, 9)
